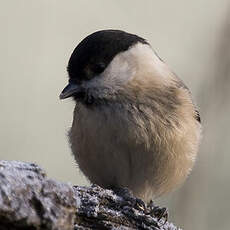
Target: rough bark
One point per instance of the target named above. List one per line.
(29, 200)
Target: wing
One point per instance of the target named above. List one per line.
(182, 85)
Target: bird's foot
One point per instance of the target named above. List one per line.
(130, 198)
(158, 212)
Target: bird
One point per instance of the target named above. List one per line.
(135, 124)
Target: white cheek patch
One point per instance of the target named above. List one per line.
(118, 72)
(137, 61)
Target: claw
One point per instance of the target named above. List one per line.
(158, 212)
(161, 213)
(128, 196)
(140, 205)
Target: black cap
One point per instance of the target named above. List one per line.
(95, 52)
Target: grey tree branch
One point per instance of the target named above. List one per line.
(29, 200)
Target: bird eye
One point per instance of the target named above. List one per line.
(75, 81)
(99, 67)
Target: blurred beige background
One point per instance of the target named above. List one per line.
(193, 37)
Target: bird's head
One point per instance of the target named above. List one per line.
(104, 63)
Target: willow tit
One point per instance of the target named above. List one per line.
(134, 125)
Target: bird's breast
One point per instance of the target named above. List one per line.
(125, 146)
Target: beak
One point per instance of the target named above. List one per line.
(70, 90)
